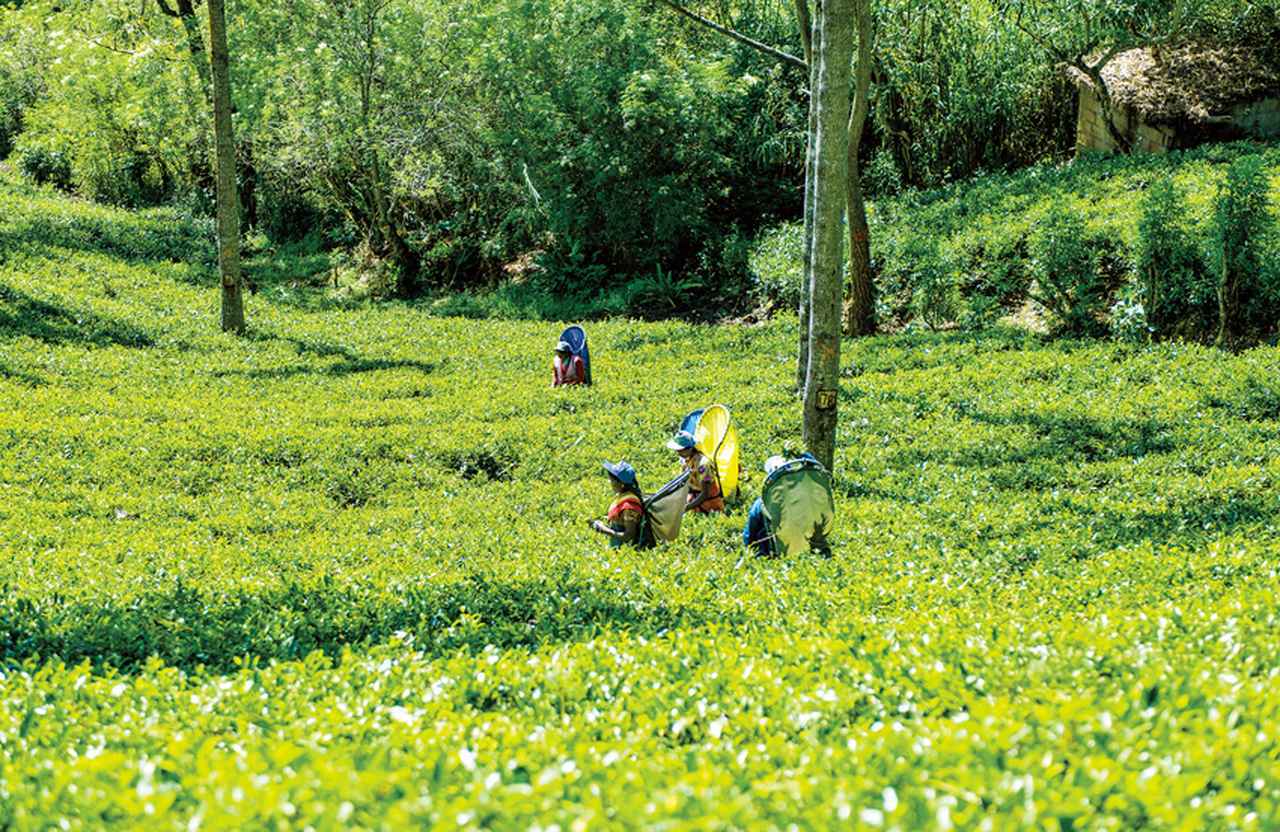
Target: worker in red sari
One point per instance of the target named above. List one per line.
(626, 513)
(567, 368)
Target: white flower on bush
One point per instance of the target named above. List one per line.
(1129, 320)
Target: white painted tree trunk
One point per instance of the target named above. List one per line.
(833, 54)
(228, 198)
(802, 365)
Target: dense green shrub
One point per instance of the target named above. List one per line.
(983, 231)
(24, 60)
(1243, 254)
(1066, 266)
(1177, 293)
(116, 108)
(660, 185)
(45, 167)
(915, 281)
(958, 90)
(776, 264)
(935, 295)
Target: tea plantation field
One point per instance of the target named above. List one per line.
(338, 573)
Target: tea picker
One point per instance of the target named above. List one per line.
(795, 511)
(635, 519)
(572, 362)
(626, 513)
(716, 438)
(707, 443)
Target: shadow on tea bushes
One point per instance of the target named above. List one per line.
(1053, 438)
(1179, 520)
(189, 627)
(1254, 398)
(351, 361)
(139, 238)
(22, 315)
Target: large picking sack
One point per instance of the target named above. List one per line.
(717, 439)
(576, 337)
(799, 506)
(664, 509)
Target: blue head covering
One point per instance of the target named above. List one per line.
(623, 472)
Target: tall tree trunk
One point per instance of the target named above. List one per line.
(1228, 301)
(228, 200)
(860, 309)
(834, 56)
(813, 40)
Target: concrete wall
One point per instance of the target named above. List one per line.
(1092, 132)
(1261, 119)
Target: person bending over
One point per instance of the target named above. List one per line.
(704, 485)
(626, 513)
(567, 368)
(756, 534)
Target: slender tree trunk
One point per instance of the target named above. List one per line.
(834, 56)
(860, 309)
(815, 38)
(1107, 105)
(228, 200)
(1228, 302)
(201, 160)
(860, 306)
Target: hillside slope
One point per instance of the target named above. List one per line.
(964, 255)
(339, 573)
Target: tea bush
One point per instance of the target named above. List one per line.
(1178, 292)
(1243, 244)
(776, 263)
(935, 296)
(1066, 264)
(338, 574)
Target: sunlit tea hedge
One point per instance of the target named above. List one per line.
(338, 573)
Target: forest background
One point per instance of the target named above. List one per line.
(592, 158)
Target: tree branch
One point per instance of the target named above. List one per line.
(186, 8)
(805, 22)
(1059, 55)
(785, 57)
(1094, 73)
(98, 42)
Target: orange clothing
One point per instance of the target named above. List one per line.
(702, 474)
(625, 509)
